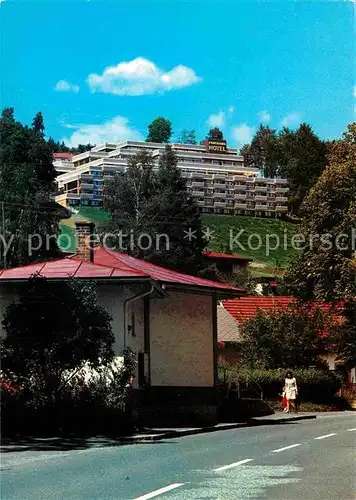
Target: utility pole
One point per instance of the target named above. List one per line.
(3, 229)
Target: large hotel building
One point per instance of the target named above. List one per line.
(215, 174)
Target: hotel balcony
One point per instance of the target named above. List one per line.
(201, 203)
(281, 198)
(281, 190)
(71, 196)
(259, 187)
(261, 207)
(86, 196)
(219, 195)
(197, 192)
(219, 204)
(281, 209)
(197, 175)
(197, 184)
(219, 185)
(86, 185)
(86, 177)
(240, 196)
(240, 178)
(241, 205)
(219, 177)
(260, 197)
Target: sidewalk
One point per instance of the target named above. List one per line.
(164, 433)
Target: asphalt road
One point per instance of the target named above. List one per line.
(310, 460)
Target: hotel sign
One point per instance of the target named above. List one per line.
(216, 146)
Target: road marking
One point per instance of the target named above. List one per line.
(235, 464)
(349, 430)
(326, 436)
(160, 491)
(285, 448)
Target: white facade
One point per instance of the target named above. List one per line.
(219, 182)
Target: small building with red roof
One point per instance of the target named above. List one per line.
(225, 263)
(167, 318)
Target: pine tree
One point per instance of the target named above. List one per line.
(38, 125)
(26, 186)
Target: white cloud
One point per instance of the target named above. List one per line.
(64, 86)
(141, 77)
(243, 133)
(115, 130)
(231, 109)
(265, 117)
(217, 120)
(354, 93)
(291, 119)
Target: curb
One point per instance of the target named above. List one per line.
(283, 420)
(206, 430)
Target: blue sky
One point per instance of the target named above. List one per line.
(103, 70)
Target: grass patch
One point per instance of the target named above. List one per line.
(67, 242)
(256, 232)
(95, 214)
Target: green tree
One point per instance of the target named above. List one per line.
(155, 203)
(54, 327)
(263, 151)
(326, 267)
(38, 124)
(288, 338)
(215, 134)
(302, 159)
(26, 185)
(187, 137)
(160, 130)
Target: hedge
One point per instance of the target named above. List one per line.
(317, 385)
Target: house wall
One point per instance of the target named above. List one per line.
(181, 341)
(113, 297)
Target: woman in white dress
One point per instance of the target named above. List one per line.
(291, 391)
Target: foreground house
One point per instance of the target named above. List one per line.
(169, 319)
(244, 309)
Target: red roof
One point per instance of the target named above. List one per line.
(110, 264)
(67, 156)
(104, 257)
(218, 255)
(245, 308)
(68, 267)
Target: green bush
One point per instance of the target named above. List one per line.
(317, 385)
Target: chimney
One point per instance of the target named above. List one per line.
(85, 240)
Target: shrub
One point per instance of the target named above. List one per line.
(317, 385)
(93, 401)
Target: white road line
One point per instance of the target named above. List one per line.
(285, 448)
(160, 491)
(326, 436)
(349, 430)
(235, 464)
